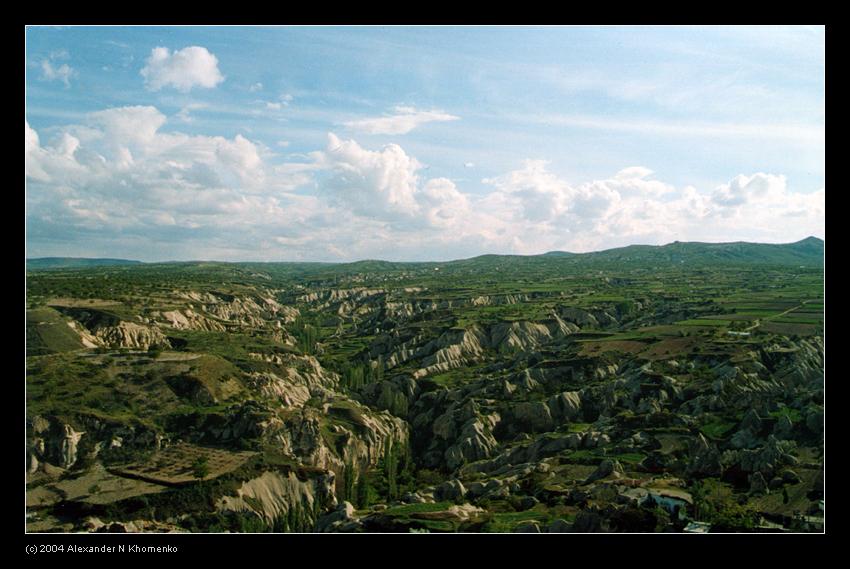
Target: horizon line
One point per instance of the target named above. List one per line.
(27, 259)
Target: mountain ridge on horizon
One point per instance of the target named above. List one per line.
(807, 247)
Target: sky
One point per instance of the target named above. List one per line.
(418, 143)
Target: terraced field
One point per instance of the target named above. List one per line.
(177, 464)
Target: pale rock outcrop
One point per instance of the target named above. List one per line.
(455, 348)
(360, 439)
(68, 446)
(88, 339)
(528, 380)
(533, 415)
(490, 300)
(349, 303)
(132, 335)
(493, 488)
(457, 513)
(300, 370)
(285, 391)
(578, 316)
(524, 335)
(605, 469)
(342, 519)
(403, 352)
(705, 457)
(801, 365)
(256, 310)
(92, 523)
(565, 406)
(531, 526)
(188, 319)
(272, 494)
(99, 328)
(595, 439)
(52, 441)
(415, 498)
(476, 442)
(766, 460)
(518, 336)
(196, 296)
(451, 490)
(37, 444)
(395, 395)
(444, 426)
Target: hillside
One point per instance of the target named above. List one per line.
(42, 263)
(807, 252)
(502, 393)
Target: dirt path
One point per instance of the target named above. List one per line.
(176, 357)
(758, 321)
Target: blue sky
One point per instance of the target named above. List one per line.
(343, 143)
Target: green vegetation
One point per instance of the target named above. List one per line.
(794, 415)
(507, 521)
(49, 333)
(704, 322)
(201, 468)
(715, 503)
(408, 509)
(518, 377)
(717, 429)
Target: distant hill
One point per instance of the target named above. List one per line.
(74, 263)
(808, 252)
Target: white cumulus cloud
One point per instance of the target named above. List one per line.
(119, 175)
(183, 69)
(386, 185)
(546, 212)
(371, 182)
(118, 184)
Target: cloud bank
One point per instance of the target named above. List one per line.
(118, 183)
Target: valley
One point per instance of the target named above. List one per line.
(643, 389)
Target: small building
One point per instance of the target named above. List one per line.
(673, 500)
(633, 496)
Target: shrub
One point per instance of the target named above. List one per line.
(201, 468)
